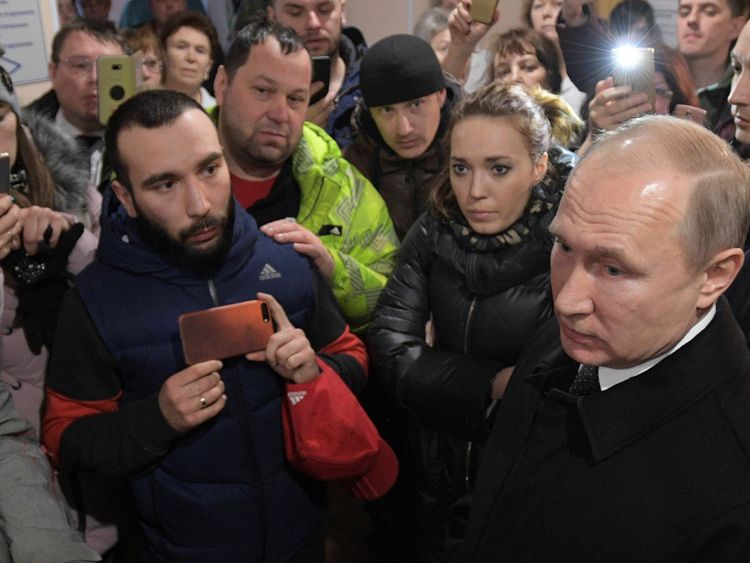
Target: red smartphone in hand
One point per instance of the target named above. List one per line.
(224, 332)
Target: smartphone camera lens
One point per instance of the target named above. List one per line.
(265, 313)
(116, 67)
(117, 92)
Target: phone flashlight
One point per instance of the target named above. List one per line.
(634, 67)
(627, 56)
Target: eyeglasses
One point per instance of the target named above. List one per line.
(79, 65)
(151, 64)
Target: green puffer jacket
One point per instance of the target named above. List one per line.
(335, 193)
(335, 196)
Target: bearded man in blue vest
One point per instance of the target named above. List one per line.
(202, 446)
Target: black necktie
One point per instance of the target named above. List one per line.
(88, 142)
(586, 382)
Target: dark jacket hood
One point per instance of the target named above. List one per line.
(350, 51)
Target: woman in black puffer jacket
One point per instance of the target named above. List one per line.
(470, 286)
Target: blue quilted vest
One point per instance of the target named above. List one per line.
(224, 492)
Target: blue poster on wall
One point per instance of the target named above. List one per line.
(21, 36)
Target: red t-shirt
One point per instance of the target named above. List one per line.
(248, 192)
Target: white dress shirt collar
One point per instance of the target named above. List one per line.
(609, 377)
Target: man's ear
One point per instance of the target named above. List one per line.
(720, 274)
(270, 11)
(126, 198)
(51, 72)
(220, 85)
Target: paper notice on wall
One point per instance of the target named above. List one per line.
(21, 36)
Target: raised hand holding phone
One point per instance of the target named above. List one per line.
(289, 352)
(465, 29)
(634, 67)
(321, 76)
(613, 105)
(465, 33)
(483, 11)
(322, 91)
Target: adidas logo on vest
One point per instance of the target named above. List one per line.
(268, 273)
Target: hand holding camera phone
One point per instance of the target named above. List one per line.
(225, 332)
(634, 67)
(321, 73)
(289, 352)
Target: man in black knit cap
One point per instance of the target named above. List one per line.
(401, 122)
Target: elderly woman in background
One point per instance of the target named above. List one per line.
(189, 43)
(432, 27)
(146, 50)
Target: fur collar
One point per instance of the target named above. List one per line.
(65, 162)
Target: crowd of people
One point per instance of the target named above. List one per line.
(509, 293)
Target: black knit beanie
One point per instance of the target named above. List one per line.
(397, 69)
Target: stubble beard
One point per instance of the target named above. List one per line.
(252, 158)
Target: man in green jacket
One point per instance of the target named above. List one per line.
(291, 176)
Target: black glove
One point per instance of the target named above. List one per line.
(42, 281)
(47, 263)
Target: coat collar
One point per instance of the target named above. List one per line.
(620, 416)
